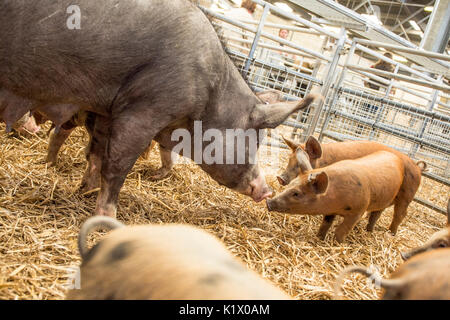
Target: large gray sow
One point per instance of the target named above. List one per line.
(145, 68)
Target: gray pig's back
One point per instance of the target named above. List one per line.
(42, 59)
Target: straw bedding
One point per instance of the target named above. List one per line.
(41, 211)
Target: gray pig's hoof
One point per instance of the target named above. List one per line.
(50, 162)
(88, 190)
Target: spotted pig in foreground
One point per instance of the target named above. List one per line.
(170, 262)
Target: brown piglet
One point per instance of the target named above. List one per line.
(424, 277)
(313, 155)
(347, 188)
(440, 239)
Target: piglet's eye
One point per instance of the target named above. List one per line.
(442, 244)
(296, 194)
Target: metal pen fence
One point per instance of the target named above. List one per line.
(406, 109)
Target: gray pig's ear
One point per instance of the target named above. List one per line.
(269, 96)
(313, 148)
(291, 144)
(319, 182)
(272, 115)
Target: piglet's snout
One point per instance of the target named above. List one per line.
(404, 255)
(260, 190)
(29, 124)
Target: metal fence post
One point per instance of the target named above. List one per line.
(308, 88)
(256, 39)
(434, 97)
(380, 112)
(327, 84)
(338, 84)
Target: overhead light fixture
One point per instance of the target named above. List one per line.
(414, 25)
(399, 59)
(283, 6)
(373, 18)
(428, 9)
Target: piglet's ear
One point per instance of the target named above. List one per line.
(313, 148)
(319, 181)
(291, 144)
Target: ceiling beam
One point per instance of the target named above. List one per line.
(417, 12)
(394, 3)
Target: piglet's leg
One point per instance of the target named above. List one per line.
(325, 226)
(347, 225)
(373, 218)
(167, 164)
(400, 210)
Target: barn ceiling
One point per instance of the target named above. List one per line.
(396, 22)
(395, 15)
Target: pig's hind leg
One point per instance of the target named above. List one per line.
(347, 225)
(325, 226)
(400, 210)
(404, 196)
(373, 218)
